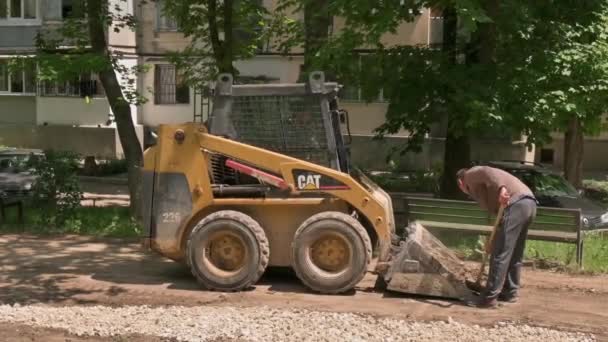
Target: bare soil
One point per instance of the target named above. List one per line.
(73, 270)
(21, 333)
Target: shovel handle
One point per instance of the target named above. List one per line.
(490, 243)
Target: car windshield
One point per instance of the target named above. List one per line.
(547, 185)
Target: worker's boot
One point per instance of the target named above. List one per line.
(482, 302)
(508, 298)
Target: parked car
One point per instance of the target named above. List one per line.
(16, 176)
(553, 190)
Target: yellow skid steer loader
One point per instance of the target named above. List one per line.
(275, 209)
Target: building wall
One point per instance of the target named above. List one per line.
(594, 158)
(152, 41)
(125, 37)
(17, 37)
(99, 142)
(72, 111)
(365, 118)
(17, 109)
(424, 29)
(155, 114)
(369, 154)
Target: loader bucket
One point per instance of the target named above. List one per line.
(422, 265)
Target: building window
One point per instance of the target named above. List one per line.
(17, 82)
(72, 9)
(85, 85)
(547, 155)
(170, 86)
(18, 9)
(163, 21)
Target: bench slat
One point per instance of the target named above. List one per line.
(486, 230)
(556, 212)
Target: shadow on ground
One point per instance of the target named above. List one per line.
(41, 269)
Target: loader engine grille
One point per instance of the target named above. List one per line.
(222, 174)
(286, 124)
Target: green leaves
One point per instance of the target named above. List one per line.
(522, 67)
(57, 188)
(222, 32)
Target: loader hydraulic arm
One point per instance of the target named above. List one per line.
(301, 176)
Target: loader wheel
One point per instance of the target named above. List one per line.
(227, 251)
(331, 252)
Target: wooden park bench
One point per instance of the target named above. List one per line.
(551, 224)
(7, 202)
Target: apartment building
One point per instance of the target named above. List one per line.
(71, 115)
(57, 115)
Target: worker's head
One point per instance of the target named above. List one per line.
(460, 180)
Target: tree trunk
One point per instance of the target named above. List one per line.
(457, 147)
(574, 149)
(222, 50)
(228, 44)
(482, 50)
(457, 155)
(120, 107)
(317, 21)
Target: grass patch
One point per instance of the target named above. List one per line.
(94, 221)
(545, 254)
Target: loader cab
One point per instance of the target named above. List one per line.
(301, 120)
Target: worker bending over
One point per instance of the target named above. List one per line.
(491, 188)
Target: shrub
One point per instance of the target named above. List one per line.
(112, 167)
(596, 190)
(56, 190)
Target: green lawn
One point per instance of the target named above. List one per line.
(560, 255)
(96, 221)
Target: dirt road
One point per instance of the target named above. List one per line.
(78, 270)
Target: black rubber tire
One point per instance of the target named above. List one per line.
(256, 244)
(314, 277)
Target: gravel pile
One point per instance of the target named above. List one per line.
(263, 324)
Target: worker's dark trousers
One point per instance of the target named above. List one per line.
(509, 244)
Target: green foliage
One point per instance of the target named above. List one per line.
(96, 221)
(522, 67)
(222, 32)
(595, 256)
(596, 190)
(56, 188)
(559, 256)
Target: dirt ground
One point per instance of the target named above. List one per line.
(21, 333)
(84, 271)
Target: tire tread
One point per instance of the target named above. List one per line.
(353, 223)
(251, 224)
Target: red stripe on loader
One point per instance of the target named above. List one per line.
(258, 174)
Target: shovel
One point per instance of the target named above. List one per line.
(487, 251)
